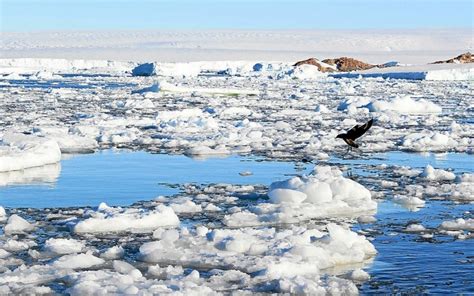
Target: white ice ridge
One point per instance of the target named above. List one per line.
(110, 219)
(47, 69)
(325, 193)
(19, 151)
(438, 72)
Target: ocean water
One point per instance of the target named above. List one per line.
(405, 264)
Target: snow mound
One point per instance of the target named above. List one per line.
(21, 151)
(404, 105)
(107, 219)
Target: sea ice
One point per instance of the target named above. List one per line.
(21, 151)
(119, 220)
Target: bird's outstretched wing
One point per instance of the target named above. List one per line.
(359, 130)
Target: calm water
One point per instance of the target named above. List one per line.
(122, 178)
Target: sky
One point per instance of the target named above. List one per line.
(57, 15)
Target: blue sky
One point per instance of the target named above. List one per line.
(34, 15)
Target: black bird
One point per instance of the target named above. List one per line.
(355, 133)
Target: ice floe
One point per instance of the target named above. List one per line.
(107, 219)
(21, 151)
(326, 193)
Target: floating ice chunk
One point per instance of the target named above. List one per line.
(127, 269)
(365, 219)
(4, 254)
(24, 152)
(323, 194)
(17, 224)
(62, 246)
(3, 214)
(353, 103)
(412, 203)
(12, 245)
(360, 275)
(146, 69)
(204, 150)
(77, 261)
(415, 228)
(458, 224)
(321, 109)
(127, 220)
(201, 230)
(44, 75)
(431, 173)
(115, 252)
(24, 277)
(139, 104)
(212, 208)
(428, 141)
(404, 105)
(69, 140)
(155, 87)
(245, 173)
(465, 178)
(187, 206)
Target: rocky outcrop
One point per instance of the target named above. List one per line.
(345, 64)
(322, 67)
(464, 58)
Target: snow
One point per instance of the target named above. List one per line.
(374, 46)
(107, 219)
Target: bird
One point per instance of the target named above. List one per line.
(355, 133)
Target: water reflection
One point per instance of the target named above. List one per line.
(45, 175)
